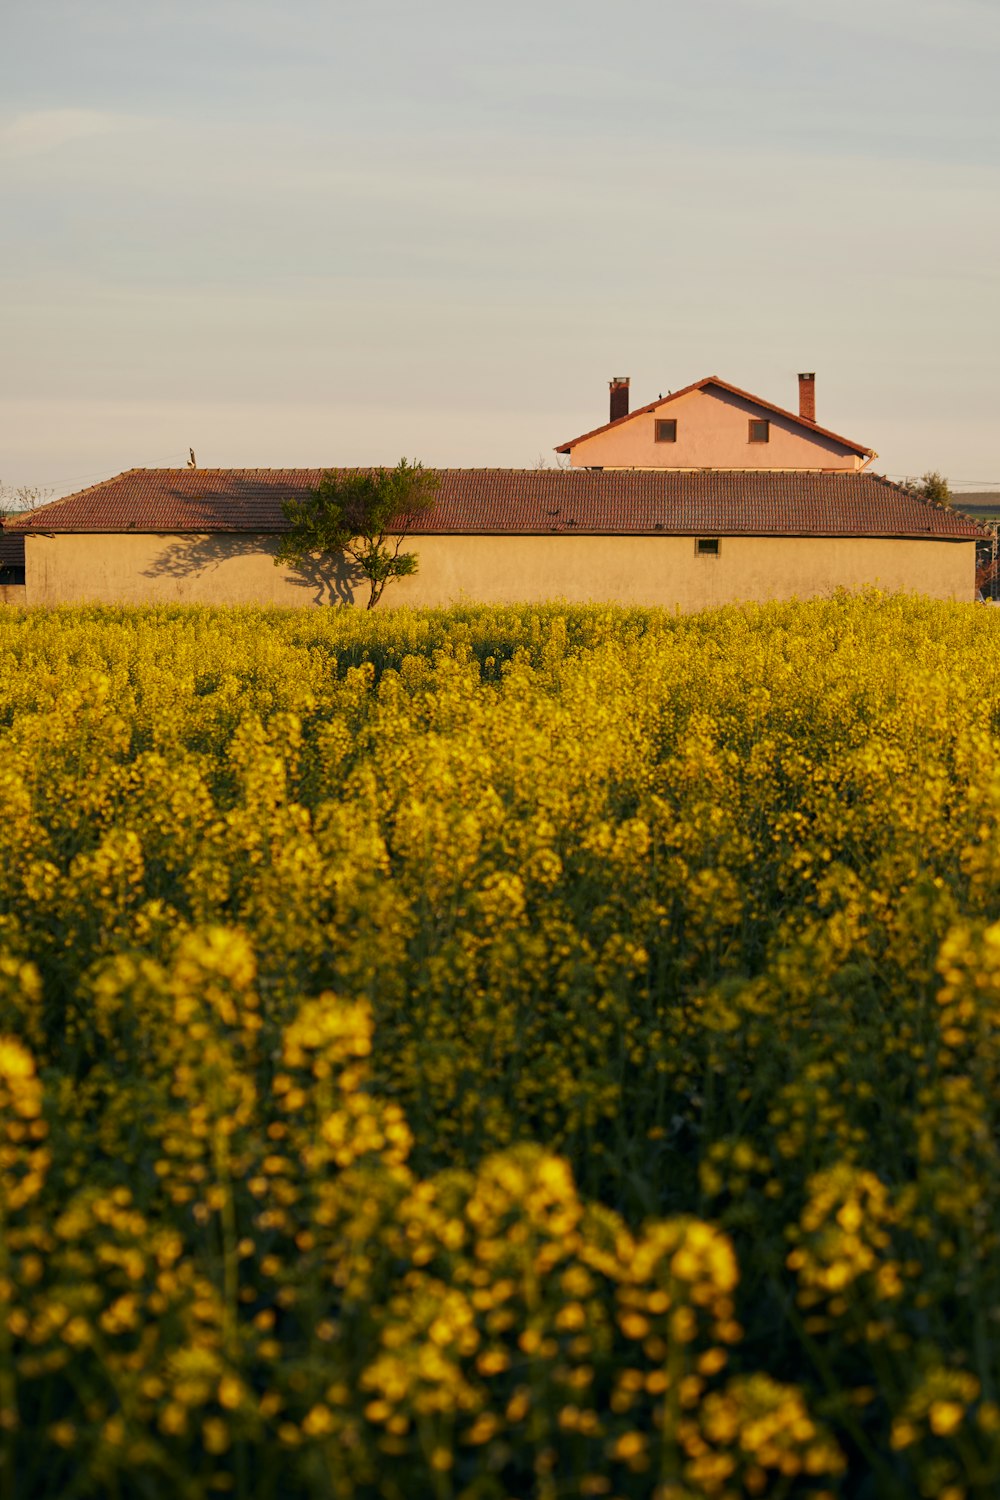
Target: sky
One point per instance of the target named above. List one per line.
(333, 233)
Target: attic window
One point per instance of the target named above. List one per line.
(706, 546)
(666, 430)
(760, 430)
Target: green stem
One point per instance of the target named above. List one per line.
(230, 1281)
(833, 1388)
(8, 1380)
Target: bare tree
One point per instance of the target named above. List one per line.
(14, 498)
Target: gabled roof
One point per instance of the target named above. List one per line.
(734, 390)
(753, 502)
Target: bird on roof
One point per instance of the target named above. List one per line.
(192, 461)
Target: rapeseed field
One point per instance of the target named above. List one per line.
(500, 1053)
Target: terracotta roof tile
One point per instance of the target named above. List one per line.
(523, 501)
(734, 390)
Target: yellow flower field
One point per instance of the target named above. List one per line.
(500, 1053)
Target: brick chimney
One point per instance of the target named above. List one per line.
(618, 386)
(807, 397)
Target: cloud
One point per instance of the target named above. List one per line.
(38, 131)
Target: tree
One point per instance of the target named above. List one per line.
(364, 514)
(14, 498)
(934, 486)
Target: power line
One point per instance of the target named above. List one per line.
(984, 484)
(51, 484)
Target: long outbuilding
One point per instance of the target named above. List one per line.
(684, 539)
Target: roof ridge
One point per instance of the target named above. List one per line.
(573, 472)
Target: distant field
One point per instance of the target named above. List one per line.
(500, 1053)
(983, 504)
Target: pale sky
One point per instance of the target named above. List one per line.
(325, 233)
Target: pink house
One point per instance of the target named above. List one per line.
(714, 425)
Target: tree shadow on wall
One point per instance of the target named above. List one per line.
(332, 579)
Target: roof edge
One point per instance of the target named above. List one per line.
(574, 530)
(25, 515)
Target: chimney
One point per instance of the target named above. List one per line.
(619, 397)
(807, 397)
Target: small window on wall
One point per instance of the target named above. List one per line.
(706, 546)
(666, 430)
(760, 431)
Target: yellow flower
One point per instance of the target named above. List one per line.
(215, 1435)
(945, 1417)
(629, 1446)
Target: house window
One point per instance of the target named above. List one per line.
(666, 430)
(760, 430)
(706, 546)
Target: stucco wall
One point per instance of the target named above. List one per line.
(12, 593)
(712, 433)
(663, 570)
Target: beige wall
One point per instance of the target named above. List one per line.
(12, 593)
(663, 570)
(712, 433)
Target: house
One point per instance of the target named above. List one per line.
(714, 425)
(681, 538)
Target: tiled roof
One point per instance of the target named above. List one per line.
(734, 390)
(524, 501)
